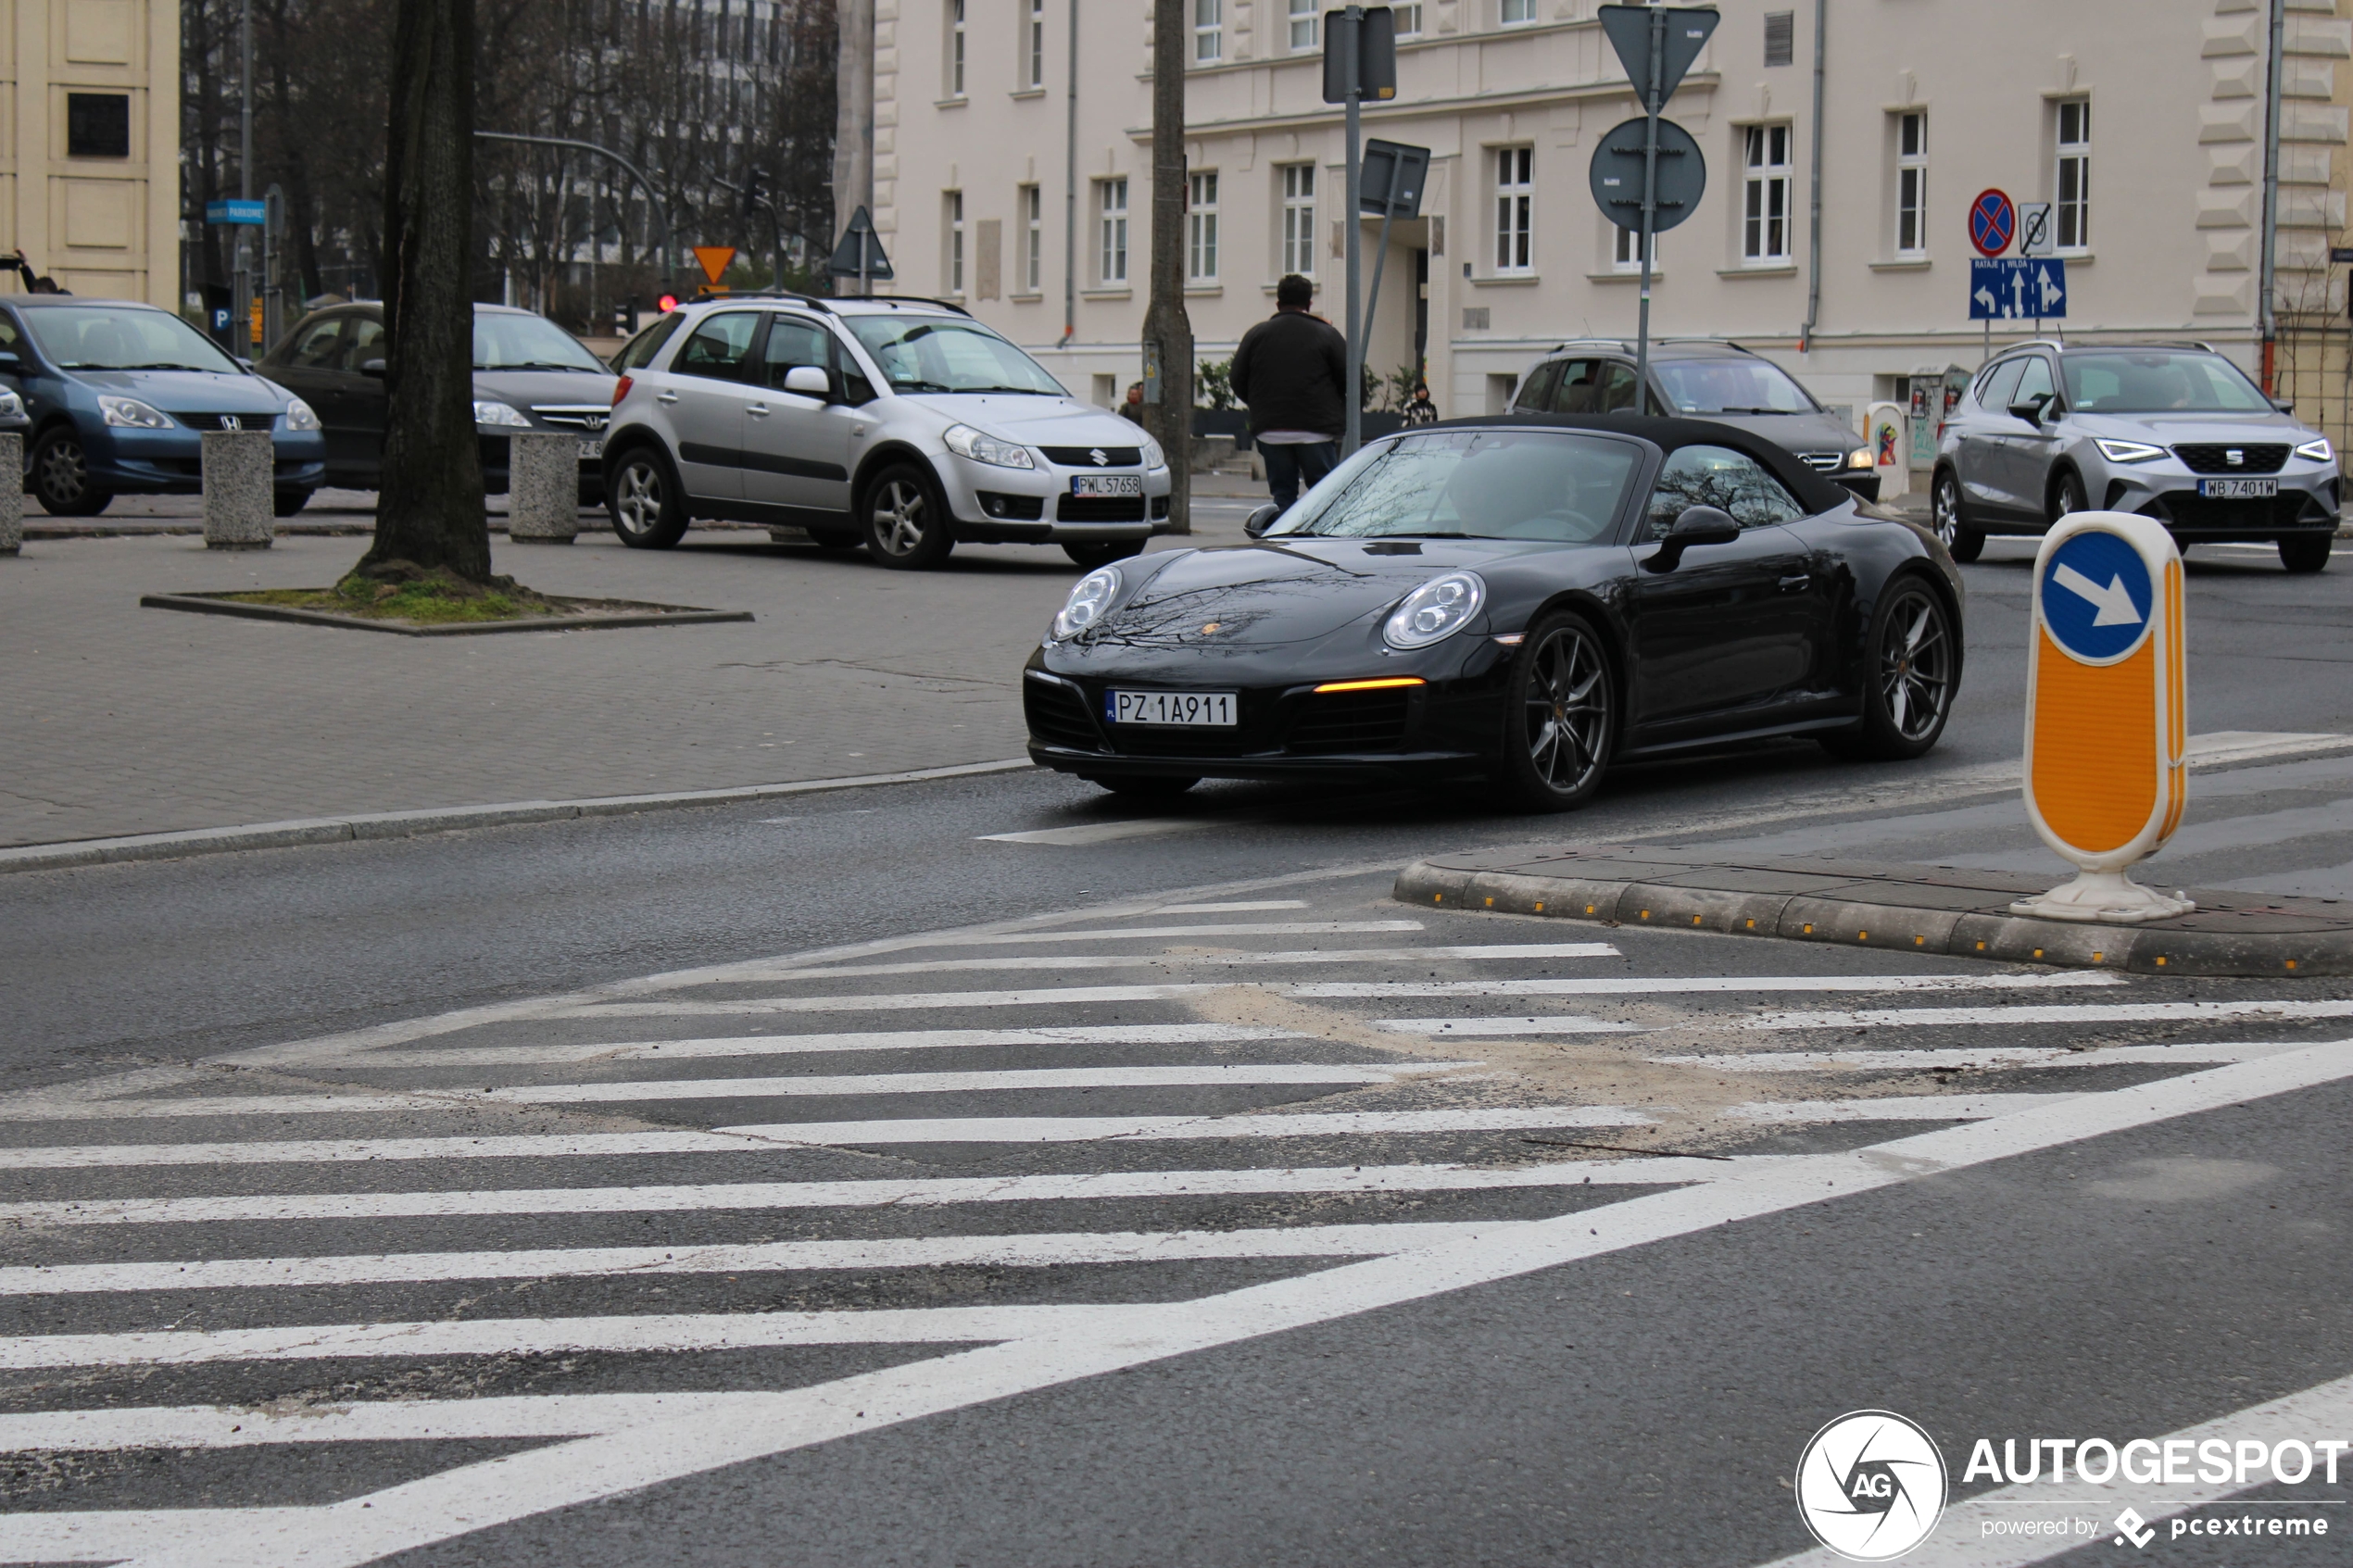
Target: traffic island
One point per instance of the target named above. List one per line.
(435, 604)
(1950, 911)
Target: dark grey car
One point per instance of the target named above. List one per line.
(1705, 379)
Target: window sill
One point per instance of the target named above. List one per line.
(955, 103)
(2080, 257)
(1204, 291)
(1656, 273)
(1031, 296)
(1121, 291)
(1505, 281)
(1902, 264)
(1027, 92)
(1777, 270)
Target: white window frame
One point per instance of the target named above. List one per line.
(956, 48)
(2072, 177)
(1767, 218)
(1626, 250)
(1515, 252)
(953, 218)
(1200, 226)
(1034, 73)
(1407, 19)
(1295, 185)
(1209, 32)
(1306, 19)
(1111, 251)
(1517, 13)
(1033, 255)
(1911, 184)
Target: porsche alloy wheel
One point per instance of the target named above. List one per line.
(1562, 724)
(907, 523)
(1912, 673)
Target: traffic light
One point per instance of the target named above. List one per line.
(755, 193)
(668, 302)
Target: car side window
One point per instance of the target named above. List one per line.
(317, 347)
(363, 343)
(718, 345)
(2034, 381)
(1995, 393)
(10, 339)
(1577, 391)
(856, 390)
(1535, 389)
(1617, 387)
(1717, 476)
(792, 344)
(640, 351)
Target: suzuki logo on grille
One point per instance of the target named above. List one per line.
(1103, 458)
(2235, 457)
(231, 421)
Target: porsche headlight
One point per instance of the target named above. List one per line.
(1435, 610)
(300, 415)
(132, 414)
(1153, 456)
(966, 442)
(2319, 450)
(1089, 596)
(490, 411)
(2127, 451)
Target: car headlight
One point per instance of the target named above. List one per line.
(1153, 456)
(966, 442)
(131, 412)
(10, 404)
(1859, 458)
(1089, 596)
(1435, 610)
(2127, 451)
(2319, 450)
(490, 411)
(300, 415)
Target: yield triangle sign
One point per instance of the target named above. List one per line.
(714, 259)
(1629, 28)
(861, 252)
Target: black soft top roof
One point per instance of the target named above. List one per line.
(1813, 492)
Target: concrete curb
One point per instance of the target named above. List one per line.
(1909, 908)
(648, 614)
(414, 824)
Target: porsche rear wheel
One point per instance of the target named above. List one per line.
(1908, 677)
(1560, 719)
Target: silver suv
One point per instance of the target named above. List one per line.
(2172, 430)
(900, 425)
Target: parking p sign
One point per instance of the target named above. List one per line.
(2106, 718)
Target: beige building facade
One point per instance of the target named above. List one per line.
(1008, 181)
(90, 144)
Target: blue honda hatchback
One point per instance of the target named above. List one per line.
(118, 395)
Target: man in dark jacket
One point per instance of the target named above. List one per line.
(1290, 370)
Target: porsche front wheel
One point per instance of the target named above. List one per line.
(1560, 719)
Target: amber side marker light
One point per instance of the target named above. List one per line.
(1384, 684)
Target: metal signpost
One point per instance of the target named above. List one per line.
(2106, 713)
(1656, 44)
(1360, 62)
(860, 255)
(1398, 173)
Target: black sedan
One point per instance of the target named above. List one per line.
(1526, 599)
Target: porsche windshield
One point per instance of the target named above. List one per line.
(1548, 485)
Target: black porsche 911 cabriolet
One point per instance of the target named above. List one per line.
(1527, 599)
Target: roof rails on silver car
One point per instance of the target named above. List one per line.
(1617, 343)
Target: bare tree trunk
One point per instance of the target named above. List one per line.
(430, 511)
(1165, 323)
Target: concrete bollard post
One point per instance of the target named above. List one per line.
(11, 493)
(238, 510)
(543, 488)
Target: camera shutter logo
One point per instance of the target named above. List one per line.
(1871, 1485)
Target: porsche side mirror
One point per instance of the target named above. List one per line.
(809, 381)
(373, 368)
(1694, 526)
(1259, 521)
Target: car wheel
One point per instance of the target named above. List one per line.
(1144, 786)
(1944, 513)
(286, 503)
(1092, 556)
(648, 509)
(2307, 554)
(1560, 718)
(907, 525)
(61, 476)
(1909, 676)
(2067, 495)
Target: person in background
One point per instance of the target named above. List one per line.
(1133, 407)
(1420, 409)
(1289, 370)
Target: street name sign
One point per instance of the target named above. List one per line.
(1991, 222)
(2017, 288)
(2107, 712)
(254, 212)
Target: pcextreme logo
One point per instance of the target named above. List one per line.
(1871, 1485)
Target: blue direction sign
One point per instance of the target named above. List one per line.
(2017, 288)
(236, 212)
(2096, 597)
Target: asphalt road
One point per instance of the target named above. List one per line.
(854, 1183)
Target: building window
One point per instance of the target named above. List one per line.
(953, 205)
(1764, 195)
(1407, 19)
(1515, 208)
(1036, 76)
(1516, 13)
(1299, 219)
(1780, 37)
(955, 48)
(1625, 256)
(1033, 239)
(1304, 24)
(97, 125)
(1911, 183)
(1201, 227)
(1111, 203)
(1209, 32)
(2072, 183)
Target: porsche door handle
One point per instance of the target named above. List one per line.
(1797, 584)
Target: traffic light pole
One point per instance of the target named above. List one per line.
(1652, 107)
(1352, 397)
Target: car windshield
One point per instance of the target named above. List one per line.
(529, 342)
(1731, 386)
(106, 337)
(1471, 484)
(937, 353)
(2144, 381)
